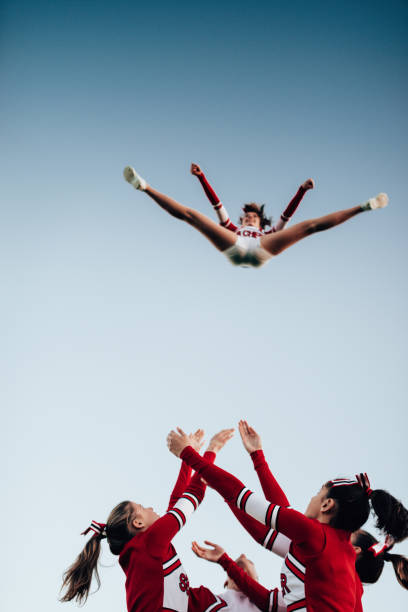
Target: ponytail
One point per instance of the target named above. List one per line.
(78, 577)
(400, 565)
(392, 516)
(370, 561)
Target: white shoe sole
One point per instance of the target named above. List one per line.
(380, 201)
(132, 177)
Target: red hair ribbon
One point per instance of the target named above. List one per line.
(97, 528)
(364, 483)
(382, 547)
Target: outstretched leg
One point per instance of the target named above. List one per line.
(220, 237)
(276, 243)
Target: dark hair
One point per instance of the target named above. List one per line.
(259, 209)
(369, 567)
(78, 577)
(353, 508)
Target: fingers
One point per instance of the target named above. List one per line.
(197, 550)
(242, 431)
(210, 543)
(225, 434)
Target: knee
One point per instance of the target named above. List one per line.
(191, 216)
(314, 226)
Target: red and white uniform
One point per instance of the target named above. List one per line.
(155, 577)
(321, 559)
(247, 251)
(273, 540)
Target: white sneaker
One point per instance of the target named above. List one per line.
(132, 177)
(380, 201)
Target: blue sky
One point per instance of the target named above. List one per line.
(121, 322)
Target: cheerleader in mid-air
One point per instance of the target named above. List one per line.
(321, 559)
(249, 244)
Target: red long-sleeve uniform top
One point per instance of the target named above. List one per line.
(271, 539)
(320, 556)
(155, 578)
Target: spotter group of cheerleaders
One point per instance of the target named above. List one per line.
(327, 557)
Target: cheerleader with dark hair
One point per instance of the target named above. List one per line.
(321, 559)
(249, 245)
(370, 554)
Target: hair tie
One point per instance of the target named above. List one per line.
(364, 483)
(382, 547)
(99, 529)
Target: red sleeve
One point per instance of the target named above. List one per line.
(270, 487)
(293, 204)
(165, 528)
(209, 191)
(257, 593)
(257, 530)
(265, 536)
(201, 598)
(305, 532)
(181, 484)
(231, 226)
(359, 594)
(223, 216)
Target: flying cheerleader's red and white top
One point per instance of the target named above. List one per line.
(155, 577)
(320, 557)
(248, 231)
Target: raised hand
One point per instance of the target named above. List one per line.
(309, 184)
(195, 169)
(219, 440)
(250, 439)
(178, 440)
(210, 554)
(198, 439)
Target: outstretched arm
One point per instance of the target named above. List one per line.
(218, 206)
(265, 536)
(253, 445)
(303, 531)
(165, 528)
(183, 479)
(292, 206)
(262, 597)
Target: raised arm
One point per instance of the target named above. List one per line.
(183, 479)
(218, 206)
(252, 443)
(181, 485)
(265, 536)
(292, 206)
(165, 528)
(305, 532)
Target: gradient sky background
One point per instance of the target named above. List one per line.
(120, 322)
